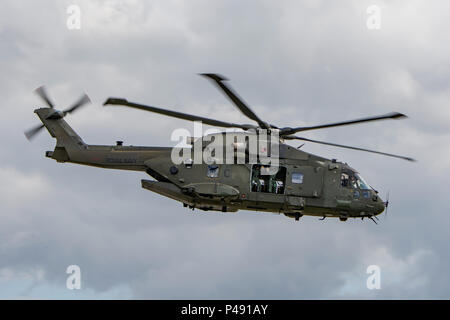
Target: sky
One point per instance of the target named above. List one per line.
(296, 63)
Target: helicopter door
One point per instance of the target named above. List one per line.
(304, 181)
(267, 183)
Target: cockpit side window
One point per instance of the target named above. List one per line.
(363, 185)
(344, 179)
(353, 180)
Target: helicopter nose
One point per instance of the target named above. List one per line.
(380, 206)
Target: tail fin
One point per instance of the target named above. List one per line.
(67, 140)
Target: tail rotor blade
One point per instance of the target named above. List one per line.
(32, 132)
(41, 92)
(82, 101)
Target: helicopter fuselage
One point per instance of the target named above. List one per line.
(303, 184)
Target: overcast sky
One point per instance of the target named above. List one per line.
(296, 63)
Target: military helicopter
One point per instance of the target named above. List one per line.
(302, 184)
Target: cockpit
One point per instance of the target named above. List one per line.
(351, 179)
(365, 199)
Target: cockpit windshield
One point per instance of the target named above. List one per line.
(361, 183)
(353, 180)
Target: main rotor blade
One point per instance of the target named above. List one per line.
(176, 114)
(218, 79)
(82, 101)
(41, 92)
(392, 115)
(347, 147)
(32, 132)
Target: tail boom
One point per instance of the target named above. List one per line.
(71, 148)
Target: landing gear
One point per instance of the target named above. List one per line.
(295, 215)
(343, 218)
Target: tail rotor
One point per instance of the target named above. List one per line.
(42, 92)
(386, 204)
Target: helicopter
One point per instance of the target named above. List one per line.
(299, 184)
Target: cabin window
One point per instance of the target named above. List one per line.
(213, 171)
(297, 177)
(268, 179)
(188, 163)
